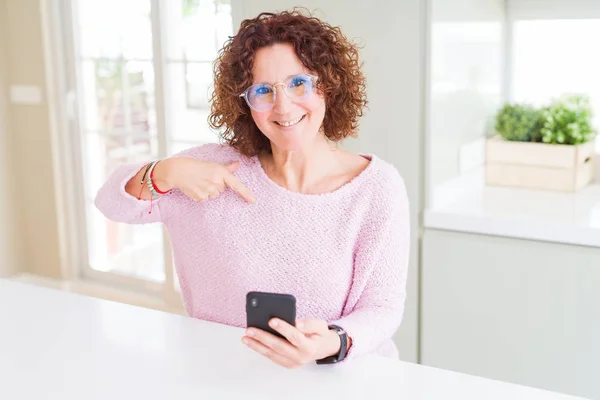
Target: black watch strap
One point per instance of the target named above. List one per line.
(343, 347)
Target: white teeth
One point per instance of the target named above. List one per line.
(290, 123)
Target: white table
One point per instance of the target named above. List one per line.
(57, 345)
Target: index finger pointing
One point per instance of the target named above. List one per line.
(236, 185)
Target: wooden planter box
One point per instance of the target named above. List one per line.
(538, 165)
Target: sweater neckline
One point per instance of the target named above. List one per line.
(345, 188)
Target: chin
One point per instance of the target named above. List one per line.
(292, 141)
(289, 145)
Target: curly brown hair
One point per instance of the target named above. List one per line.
(322, 49)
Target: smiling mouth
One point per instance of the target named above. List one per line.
(290, 123)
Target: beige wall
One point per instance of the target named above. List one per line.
(8, 251)
(30, 142)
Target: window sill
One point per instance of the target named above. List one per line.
(470, 206)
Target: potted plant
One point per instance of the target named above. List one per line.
(542, 148)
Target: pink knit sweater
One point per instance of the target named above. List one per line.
(343, 254)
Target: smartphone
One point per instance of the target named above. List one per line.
(261, 307)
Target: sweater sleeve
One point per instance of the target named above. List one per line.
(117, 205)
(375, 305)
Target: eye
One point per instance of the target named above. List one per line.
(298, 81)
(263, 89)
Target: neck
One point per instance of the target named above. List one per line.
(301, 170)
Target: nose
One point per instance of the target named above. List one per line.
(282, 103)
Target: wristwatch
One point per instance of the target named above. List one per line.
(343, 347)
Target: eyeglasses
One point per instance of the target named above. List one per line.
(261, 97)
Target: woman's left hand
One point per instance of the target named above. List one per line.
(308, 341)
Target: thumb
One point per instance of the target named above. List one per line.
(232, 166)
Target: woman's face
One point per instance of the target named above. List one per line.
(302, 119)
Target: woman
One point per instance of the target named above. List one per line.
(279, 207)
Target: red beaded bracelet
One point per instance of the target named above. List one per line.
(152, 181)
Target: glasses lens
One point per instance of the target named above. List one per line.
(299, 87)
(260, 96)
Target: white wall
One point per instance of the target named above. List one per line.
(8, 251)
(553, 9)
(392, 33)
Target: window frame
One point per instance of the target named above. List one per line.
(64, 82)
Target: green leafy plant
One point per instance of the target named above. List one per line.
(567, 121)
(519, 122)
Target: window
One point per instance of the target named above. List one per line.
(465, 90)
(143, 74)
(555, 57)
(539, 51)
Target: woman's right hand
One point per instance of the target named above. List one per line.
(199, 180)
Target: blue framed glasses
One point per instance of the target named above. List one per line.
(261, 97)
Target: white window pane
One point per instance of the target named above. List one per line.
(132, 250)
(103, 153)
(466, 86)
(118, 96)
(114, 28)
(188, 20)
(135, 250)
(557, 57)
(140, 108)
(114, 54)
(198, 80)
(187, 106)
(177, 147)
